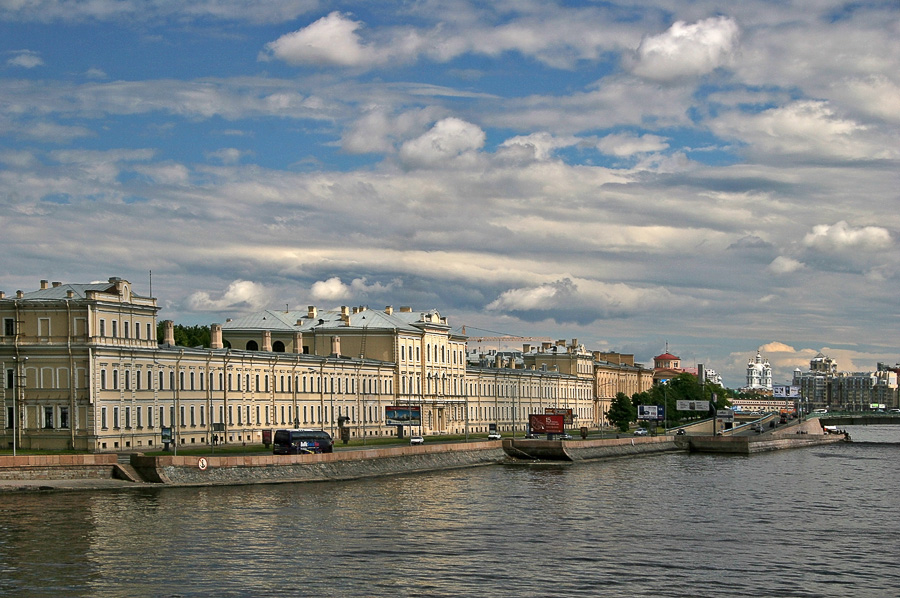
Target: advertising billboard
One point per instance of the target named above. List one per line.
(652, 412)
(407, 415)
(692, 405)
(547, 423)
(566, 413)
(782, 391)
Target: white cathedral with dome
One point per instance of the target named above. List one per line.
(759, 373)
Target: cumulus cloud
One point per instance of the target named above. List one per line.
(841, 236)
(241, 295)
(330, 41)
(687, 50)
(784, 265)
(334, 289)
(447, 140)
(27, 59)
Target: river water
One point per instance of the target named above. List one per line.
(807, 522)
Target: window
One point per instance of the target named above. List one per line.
(126, 329)
(202, 416)
(149, 417)
(140, 420)
(115, 328)
(115, 417)
(9, 327)
(115, 379)
(10, 378)
(149, 331)
(103, 418)
(48, 418)
(103, 379)
(181, 413)
(193, 419)
(128, 417)
(137, 331)
(63, 417)
(43, 326)
(102, 327)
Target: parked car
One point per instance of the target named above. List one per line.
(680, 432)
(494, 436)
(564, 437)
(416, 440)
(641, 432)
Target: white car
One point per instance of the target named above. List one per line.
(640, 432)
(416, 440)
(494, 436)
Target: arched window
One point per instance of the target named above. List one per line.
(278, 347)
(252, 346)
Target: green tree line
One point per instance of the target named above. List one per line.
(684, 387)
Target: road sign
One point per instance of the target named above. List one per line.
(725, 415)
(692, 405)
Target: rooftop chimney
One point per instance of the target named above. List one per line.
(389, 310)
(215, 336)
(312, 312)
(169, 333)
(56, 284)
(44, 284)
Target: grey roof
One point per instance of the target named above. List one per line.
(60, 292)
(287, 320)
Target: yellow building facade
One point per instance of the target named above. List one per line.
(83, 370)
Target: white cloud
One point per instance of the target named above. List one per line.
(330, 41)
(626, 144)
(539, 146)
(807, 128)
(334, 289)
(27, 59)
(578, 299)
(329, 290)
(448, 139)
(841, 236)
(875, 95)
(784, 265)
(241, 295)
(687, 50)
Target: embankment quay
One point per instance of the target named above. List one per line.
(75, 472)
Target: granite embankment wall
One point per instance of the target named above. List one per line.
(341, 465)
(581, 450)
(58, 467)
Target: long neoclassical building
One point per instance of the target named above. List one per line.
(83, 370)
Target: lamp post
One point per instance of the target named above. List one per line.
(20, 388)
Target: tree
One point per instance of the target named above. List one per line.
(621, 412)
(186, 336)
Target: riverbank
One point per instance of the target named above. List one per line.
(105, 471)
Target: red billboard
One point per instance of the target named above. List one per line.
(546, 423)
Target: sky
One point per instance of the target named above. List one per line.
(711, 177)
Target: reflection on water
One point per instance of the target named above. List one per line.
(808, 522)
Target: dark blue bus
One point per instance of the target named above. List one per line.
(299, 442)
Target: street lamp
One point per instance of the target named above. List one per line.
(20, 388)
